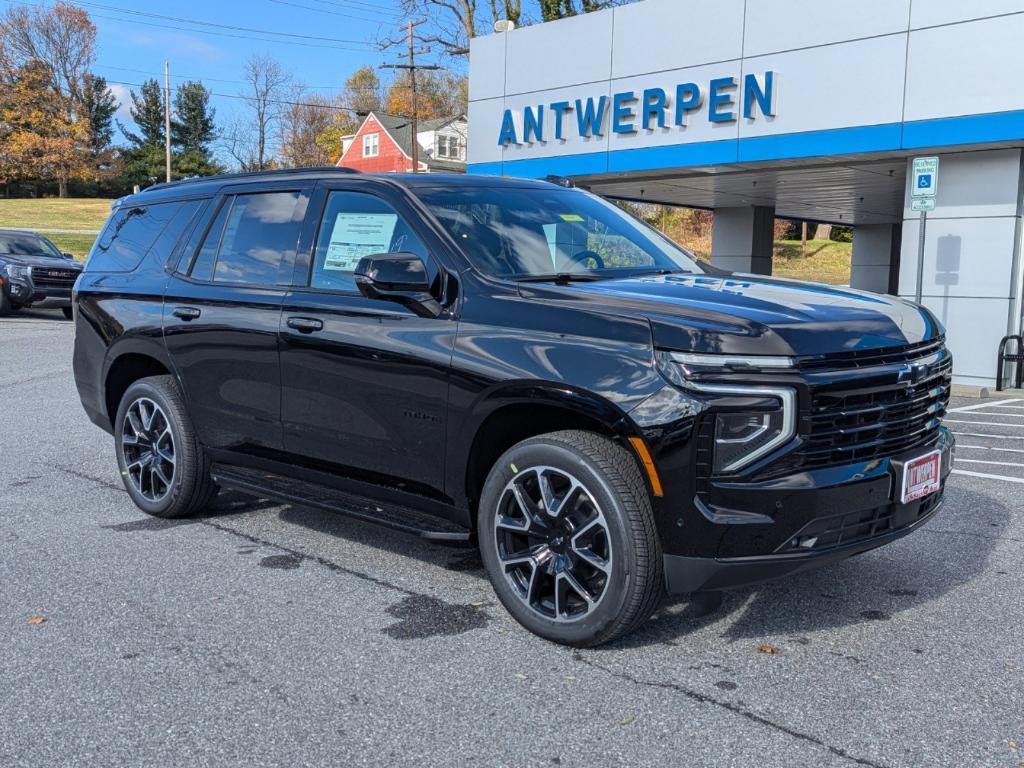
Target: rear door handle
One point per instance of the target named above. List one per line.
(305, 324)
(186, 313)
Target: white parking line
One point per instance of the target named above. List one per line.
(1007, 408)
(979, 434)
(998, 415)
(987, 476)
(984, 423)
(961, 460)
(989, 448)
(979, 406)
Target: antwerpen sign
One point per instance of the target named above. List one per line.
(628, 112)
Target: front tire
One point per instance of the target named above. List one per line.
(69, 313)
(5, 305)
(567, 536)
(163, 466)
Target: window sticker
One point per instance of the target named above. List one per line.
(356, 235)
(571, 217)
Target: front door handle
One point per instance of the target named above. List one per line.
(305, 324)
(186, 313)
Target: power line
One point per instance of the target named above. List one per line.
(356, 45)
(204, 78)
(241, 97)
(334, 13)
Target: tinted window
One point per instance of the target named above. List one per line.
(128, 235)
(202, 268)
(355, 225)
(260, 236)
(537, 231)
(18, 244)
(164, 245)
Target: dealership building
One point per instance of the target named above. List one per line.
(805, 109)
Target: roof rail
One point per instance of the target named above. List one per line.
(251, 174)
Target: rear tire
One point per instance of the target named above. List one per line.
(69, 313)
(163, 466)
(568, 538)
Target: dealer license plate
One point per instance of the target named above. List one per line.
(921, 476)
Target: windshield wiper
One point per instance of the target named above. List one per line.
(560, 278)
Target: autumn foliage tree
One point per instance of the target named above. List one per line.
(45, 99)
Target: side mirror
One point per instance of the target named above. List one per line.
(69, 256)
(398, 277)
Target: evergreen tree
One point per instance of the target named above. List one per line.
(99, 106)
(147, 111)
(193, 128)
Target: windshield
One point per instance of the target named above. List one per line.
(522, 233)
(26, 245)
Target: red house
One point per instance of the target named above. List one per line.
(383, 144)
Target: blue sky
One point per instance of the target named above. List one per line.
(132, 46)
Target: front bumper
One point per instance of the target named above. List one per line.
(24, 291)
(822, 525)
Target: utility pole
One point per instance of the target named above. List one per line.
(411, 67)
(167, 117)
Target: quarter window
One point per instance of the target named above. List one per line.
(128, 235)
(371, 145)
(355, 225)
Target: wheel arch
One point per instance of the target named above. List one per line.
(518, 412)
(131, 363)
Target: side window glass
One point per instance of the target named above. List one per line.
(355, 225)
(202, 268)
(164, 245)
(260, 237)
(128, 235)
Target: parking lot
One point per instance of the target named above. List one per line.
(278, 635)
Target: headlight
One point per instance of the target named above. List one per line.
(13, 270)
(741, 436)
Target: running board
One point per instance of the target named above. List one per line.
(279, 488)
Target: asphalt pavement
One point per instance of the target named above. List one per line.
(269, 635)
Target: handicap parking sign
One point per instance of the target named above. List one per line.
(925, 177)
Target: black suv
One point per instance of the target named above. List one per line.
(513, 363)
(34, 271)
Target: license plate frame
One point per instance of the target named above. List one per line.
(921, 477)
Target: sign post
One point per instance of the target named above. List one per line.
(924, 186)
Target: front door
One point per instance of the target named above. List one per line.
(222, 312)
(364, 382)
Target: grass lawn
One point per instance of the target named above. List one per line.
(76, 245)
(54, 213)
(825, 262)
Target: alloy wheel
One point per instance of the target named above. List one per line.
(147, 447)
(553, 543)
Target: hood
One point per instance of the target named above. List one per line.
(41, 260)
(753, 315)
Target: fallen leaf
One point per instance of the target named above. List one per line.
(628, 720)
(1012, 743)
(520, 675)
(35, 621)
(766, 648)
(478, 603)
(569, 677)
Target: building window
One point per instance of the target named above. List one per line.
(448, 147)
(371, 145)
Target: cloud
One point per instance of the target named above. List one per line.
(123, 95)
(200, 48)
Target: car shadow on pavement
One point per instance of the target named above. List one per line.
(949, 551)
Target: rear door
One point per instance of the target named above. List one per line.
(222, 312)
(365, 382)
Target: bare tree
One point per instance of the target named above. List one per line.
(451, 24)
(60, 36)
(269, 86)
(302, 125)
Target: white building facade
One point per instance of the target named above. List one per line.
(809, 109)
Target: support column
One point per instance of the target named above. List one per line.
(876, 258)
(972, 257)
(742, 239)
